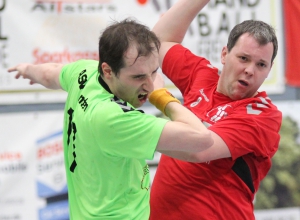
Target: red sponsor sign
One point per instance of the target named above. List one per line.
(292, 30)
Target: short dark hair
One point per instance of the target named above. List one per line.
(118, 37)
(261, 31)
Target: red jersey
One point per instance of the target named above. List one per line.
(223, 188)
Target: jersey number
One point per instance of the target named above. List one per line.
(72, 134)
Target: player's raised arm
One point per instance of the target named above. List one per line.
(46, 74)
(170, 32)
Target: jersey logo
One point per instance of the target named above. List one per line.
(218, 113)
(200, 98)
(82, 79)
(196, 103)
(256, 108)
(83, 102)
(143, 183)
(124, 105)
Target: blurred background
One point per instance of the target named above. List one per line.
(32, 176)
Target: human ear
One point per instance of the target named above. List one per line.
(223, 54)
(107, 71)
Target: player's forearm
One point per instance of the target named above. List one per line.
(185, 156)
(45, 74)
(173, 25)
(185, 132)
(179, 113)
(171, 107)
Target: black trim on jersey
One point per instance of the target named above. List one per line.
(103, 84)
(124, 105)
(115, 99)
(242, 169)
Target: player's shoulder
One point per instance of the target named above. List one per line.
(113, 107)
(261, 104)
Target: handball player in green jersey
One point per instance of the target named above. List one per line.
(107, 140)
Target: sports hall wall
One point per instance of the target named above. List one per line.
(32, 178)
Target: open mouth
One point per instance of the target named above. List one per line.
(243, 83)
(142, 96)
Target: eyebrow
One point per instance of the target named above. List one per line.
(260, 60)
(155, 70)
(264, 61)
(143, 74)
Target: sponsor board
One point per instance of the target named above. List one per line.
(65, 31)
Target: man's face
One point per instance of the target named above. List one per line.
(135, 81)
(245, 68)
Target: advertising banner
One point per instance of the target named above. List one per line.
(39, 31)
(291, 30)
(32, 173)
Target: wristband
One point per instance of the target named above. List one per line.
(160, 98)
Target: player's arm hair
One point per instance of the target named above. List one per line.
(185, 132)
(46, 74)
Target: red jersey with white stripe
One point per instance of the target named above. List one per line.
(223, 188)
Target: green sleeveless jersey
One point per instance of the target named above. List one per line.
(106, 144)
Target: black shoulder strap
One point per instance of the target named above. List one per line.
(115, 99)
(124, 105)
(241, 168)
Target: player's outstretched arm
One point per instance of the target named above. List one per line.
(46, 74)
(218, 150)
